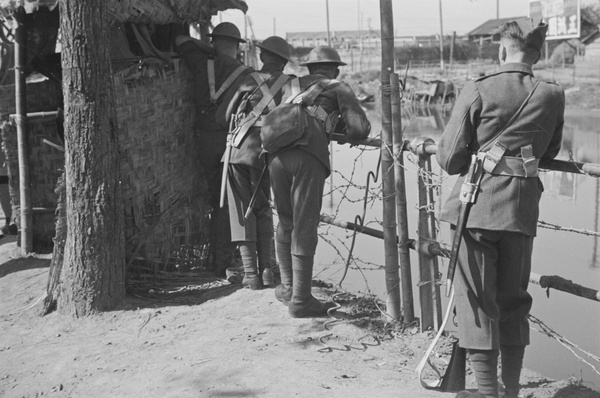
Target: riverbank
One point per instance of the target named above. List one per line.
(581, 93)
(191, 335)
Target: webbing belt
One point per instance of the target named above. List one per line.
(495, 163)
(214, 96)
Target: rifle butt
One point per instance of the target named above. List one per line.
(454, 377)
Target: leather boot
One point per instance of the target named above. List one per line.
(303, 304)
(283, 293)
(485, 368)
(511, 358)
(263, 250)
(252, 279)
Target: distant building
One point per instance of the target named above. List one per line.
(346, 39)
(486, 31)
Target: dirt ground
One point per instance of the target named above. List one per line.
(195, 336)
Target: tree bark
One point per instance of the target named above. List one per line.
(93, 275)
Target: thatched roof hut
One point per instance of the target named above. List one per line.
(165, 199)
(144, 11)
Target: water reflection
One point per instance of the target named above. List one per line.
(570, 201)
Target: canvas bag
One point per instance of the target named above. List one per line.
(286, 125)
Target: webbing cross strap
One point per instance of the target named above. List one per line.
(494, 161)
(250, 119)
(214, 96)
(308, 97)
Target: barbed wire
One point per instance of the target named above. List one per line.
(545, 329)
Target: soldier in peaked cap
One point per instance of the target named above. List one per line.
(299, 167)
(214, 69)
(250, 98)
(511, 121)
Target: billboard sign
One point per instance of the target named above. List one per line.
(562, 17)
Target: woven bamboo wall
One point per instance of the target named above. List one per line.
(45, 162)
(163, 187)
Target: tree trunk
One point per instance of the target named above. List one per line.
(93, 275)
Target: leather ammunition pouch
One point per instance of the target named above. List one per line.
(495, 163)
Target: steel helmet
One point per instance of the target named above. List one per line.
(277, 46)
(323, 55)
(227, 29)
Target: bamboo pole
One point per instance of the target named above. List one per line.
(401, 212)
(26, 229)
(392, 278)
(435, 248)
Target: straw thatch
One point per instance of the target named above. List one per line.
(159, 12)
(162, 12)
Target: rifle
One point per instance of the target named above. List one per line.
(453, 379)
(257, 189)
(227, 157)
(468, 196)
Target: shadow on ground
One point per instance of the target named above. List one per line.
(171, 289)
(23, 264)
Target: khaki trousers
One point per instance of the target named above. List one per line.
(492, 302)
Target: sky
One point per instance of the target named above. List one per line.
(411, 17)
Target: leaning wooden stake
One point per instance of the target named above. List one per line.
(392, 277)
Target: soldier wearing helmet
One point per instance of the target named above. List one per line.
(253, 235)
(298, 172)
(214, 69)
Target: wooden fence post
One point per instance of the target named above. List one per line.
(392, 278)
(401, 212)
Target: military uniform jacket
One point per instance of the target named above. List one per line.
(249, 151)
(196, 59)
(335, 97)
(482, 109)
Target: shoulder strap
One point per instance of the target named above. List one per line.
(214, 96)
(265, 89)
(310, 93)
(270, 94)
(511, 120)
(251, 118)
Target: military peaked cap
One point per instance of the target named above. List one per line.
(534, 31)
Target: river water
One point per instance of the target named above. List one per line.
(571, 201)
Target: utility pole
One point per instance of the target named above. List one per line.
(441, 40)
(327, 13)
(358, 23)
(497, 9)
